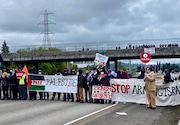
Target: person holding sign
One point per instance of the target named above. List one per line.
(150, 86)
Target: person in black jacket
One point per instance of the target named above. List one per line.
(13, 85)
(81, 82)
(73, 72)
(66, 96)
(86, 87)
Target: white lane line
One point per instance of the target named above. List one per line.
(178, 123)
(90, 114)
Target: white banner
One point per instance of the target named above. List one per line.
(101, 59)
(150, 50)
(52, 83)
(132, 90)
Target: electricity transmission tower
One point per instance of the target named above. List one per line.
(46, 22)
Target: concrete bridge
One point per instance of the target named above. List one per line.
(89, 55)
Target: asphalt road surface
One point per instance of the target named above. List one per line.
(46, 112)
(43, 112)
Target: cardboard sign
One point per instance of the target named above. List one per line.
(101, 59)
(101, 92)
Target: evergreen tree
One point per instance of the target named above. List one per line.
(5, 48)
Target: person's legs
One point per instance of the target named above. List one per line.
(40, 95)
(6, 92)
(148, 99)
(68, 96)
(59, 95)
(54, 95)
(78, 95)
(90, 94)
(20, 92)
(86, 91)
(24, 94)
(152, 99)
(81, 97)
(72, 97)
(64, 97)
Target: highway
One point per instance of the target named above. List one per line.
(44, 112)
(47, 112)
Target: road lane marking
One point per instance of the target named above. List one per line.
(179, 122)
(78, 119)
(121, 113)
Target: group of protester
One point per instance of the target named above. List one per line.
(16, 88)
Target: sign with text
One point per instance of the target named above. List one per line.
(19, 74)
(52, 83)
(150, 50)
(101, 59)
(133, 90)
(145, 57)
(101, 92)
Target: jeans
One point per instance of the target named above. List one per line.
(22, 92)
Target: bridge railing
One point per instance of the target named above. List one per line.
(104, 45)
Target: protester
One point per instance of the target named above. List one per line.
(22, 87)
(40, 93)
(86, 87)
(149, 79)
(124, 75)
(141, 76)
(73, 72)
(172, 75)
(5, 85)
(13, 85)
(46, 94)
(33, 94)
(103, 81)
(58, 93)
(66, 96)
(118, 74)
(81, 83)
(95, 81)
(92, 80)
(166, 77)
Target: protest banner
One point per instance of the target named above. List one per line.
(101, 92)
(133, 90)
(100, 59)
(52, 83)
(150, 50)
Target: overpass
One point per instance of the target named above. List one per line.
(88, 55)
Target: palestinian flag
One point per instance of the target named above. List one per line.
(35, 82)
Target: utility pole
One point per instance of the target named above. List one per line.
(46, 22)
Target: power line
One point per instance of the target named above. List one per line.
(46, 22)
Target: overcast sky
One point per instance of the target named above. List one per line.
(88, 20)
